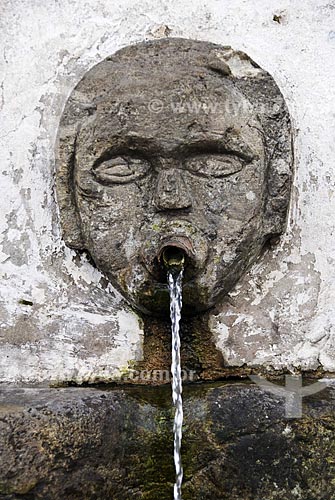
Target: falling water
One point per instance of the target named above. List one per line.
(175, 289)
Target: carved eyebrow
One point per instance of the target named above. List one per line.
(218, 146)
(229, 143)
(122, 146)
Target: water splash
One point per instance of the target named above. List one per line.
(175, 289)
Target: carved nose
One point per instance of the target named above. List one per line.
(171, 192)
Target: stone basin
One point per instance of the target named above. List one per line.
(116, 443)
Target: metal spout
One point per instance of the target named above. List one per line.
(173, 257)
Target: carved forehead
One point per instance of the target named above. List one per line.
(166, 77)
(170, 102)
(174, 69)
(168, 58)
(176, 90)
(172, 113)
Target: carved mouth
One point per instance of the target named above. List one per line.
(178, 242)
(177, 252)
(172, 257)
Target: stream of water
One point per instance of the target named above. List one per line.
(175, 289)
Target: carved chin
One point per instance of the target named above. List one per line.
(156, 300)
(143, 292)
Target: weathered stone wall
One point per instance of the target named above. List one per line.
(59, 319)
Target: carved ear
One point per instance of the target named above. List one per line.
(263, 93)
(65, 157)
(78, 107)
(278, 189)
(279, 148)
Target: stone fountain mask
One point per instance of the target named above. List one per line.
(174, 143)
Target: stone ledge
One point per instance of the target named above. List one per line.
(85, 443)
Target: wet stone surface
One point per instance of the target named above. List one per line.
(85, 443)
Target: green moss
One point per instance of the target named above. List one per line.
(155, 464)
(158, 300)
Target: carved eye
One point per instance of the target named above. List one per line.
(215, 165)
(121, 170)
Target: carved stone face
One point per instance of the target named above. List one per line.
(171, 158)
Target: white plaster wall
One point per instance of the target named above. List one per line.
(282, 314)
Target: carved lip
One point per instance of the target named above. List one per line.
(184, 244)
(154, 264)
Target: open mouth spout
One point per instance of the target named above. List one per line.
(175, 253)
(173, 258)
(174, 250)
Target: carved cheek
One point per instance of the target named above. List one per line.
(235, 197)
(217, 195)
(106, 220)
